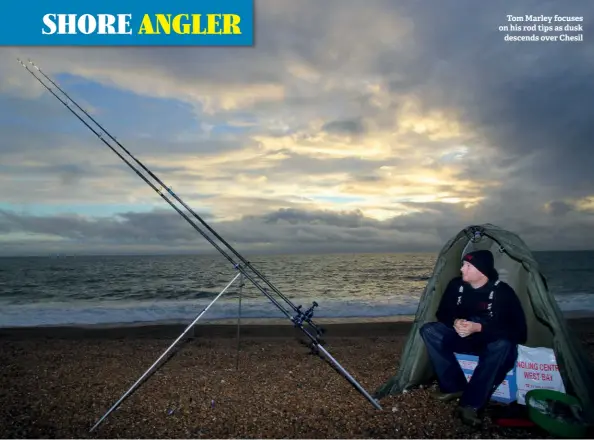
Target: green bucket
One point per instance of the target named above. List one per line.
(567, 426)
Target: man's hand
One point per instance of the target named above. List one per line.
(465, 328)
(460, 325)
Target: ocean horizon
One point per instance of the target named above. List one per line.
(145, 289)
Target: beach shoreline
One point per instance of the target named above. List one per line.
(227, 328)
(249, 328)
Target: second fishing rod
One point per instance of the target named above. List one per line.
(165, 187)
(179, 211)
(175, 196)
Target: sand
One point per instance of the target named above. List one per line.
(57, 382)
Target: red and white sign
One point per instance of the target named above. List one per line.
(537, 367)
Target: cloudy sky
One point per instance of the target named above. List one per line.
(349, 126)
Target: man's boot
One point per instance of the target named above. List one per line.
(468, 415)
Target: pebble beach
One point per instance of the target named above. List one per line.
(56, 382)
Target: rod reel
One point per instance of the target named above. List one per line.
(307, 316)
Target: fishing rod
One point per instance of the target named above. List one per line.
(300, 317)
(196, 216)
(159, 191)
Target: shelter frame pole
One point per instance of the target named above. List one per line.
(137, 383)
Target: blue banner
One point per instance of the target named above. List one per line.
(121, 23)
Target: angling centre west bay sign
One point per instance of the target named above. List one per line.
(119, 23)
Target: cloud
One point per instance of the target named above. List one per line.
(398, 118)
(352, 126)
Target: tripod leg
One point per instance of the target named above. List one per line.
(127, 393)
(241, 284)
(350, 378)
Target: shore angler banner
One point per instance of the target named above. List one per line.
(245, 269)
(132, 23)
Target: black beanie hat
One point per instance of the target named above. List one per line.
(483, 261)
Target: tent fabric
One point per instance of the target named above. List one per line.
(517, 267)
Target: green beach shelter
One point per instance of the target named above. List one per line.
(546, 324)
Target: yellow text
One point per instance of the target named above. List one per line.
(196, 24)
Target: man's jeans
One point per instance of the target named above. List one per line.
(495, 360)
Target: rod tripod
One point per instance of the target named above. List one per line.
(244, 267)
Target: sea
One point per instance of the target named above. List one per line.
(112, 290)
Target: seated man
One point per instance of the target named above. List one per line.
(478, 315)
